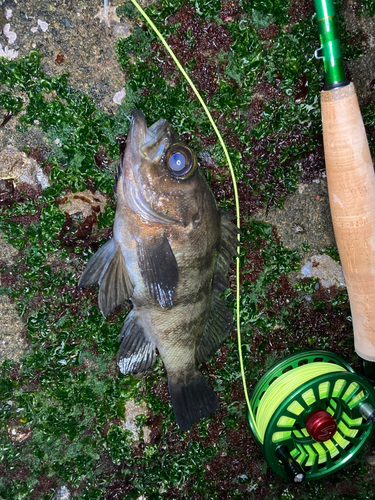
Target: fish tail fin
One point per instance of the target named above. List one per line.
(192, 401)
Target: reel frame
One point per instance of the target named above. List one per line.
(343, 395)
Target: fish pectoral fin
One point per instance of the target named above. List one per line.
(107, 267)
(115, 284)
(192, 401)
(97, 265)
(158, 267)
(136, 353)
(227, 250)
(218, 327)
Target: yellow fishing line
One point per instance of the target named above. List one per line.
(284, 385)
(236, 198)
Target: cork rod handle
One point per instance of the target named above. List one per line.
(351, 187)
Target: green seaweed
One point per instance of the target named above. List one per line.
(66, 390)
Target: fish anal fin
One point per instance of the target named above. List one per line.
(218, 327)
(159, 269)
(115, 284)
(136, 353)
(192, 401)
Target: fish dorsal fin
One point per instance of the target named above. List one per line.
(115, 284)
(219, 324)
(159, 270)
(136, 353)
(218, 327)
(228, 250)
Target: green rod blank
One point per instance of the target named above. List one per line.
(330, 44)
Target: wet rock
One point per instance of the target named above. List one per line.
(83, 204)
(3, 20)
(122, 30)
(16, 166)
(297, 228)
(65, 21)
(19, 434)
(328, 271)
(12, 344)
(7, 253)
(62, 493)
(131, 412)
(108, 16)
(305, 216)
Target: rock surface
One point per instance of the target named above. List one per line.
(18, 168)
(12, 343)
(131, 412)
(83, 204)
(7, 253)
(305, 217)
(328, 271)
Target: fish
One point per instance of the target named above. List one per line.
(169, 255)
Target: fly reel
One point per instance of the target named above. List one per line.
(312, 414)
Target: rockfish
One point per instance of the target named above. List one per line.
(170, 253)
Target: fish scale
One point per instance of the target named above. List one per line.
(169, 255)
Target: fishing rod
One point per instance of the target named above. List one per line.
(351, 185)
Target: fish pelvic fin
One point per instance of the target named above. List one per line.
(192, 401)
(107, 268)
(136, 352)
(218, 327)
(159, 269)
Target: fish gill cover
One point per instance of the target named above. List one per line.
(253, 63)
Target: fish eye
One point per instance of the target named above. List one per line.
(180, 161)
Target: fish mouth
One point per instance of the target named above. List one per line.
(147, 143)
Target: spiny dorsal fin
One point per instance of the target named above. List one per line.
(218, 327)
(220, 321)
(159, 270)
(228, 249)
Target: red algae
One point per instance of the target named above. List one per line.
(300, 9)
(60, 58)
(302, 89)
(200, 41)
(313, 164)
(269, 33)
(230, 11)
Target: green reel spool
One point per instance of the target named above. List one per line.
(312, 414)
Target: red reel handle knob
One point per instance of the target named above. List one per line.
(321, 425)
